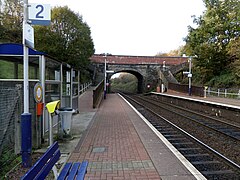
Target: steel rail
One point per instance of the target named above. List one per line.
(214, 152)
(217, 130)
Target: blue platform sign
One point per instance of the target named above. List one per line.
(39, 14)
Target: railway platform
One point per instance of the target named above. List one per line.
(227, 101)
(119, 145)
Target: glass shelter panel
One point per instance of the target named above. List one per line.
(11, 67)
(7, 69)
(75, 89)
(52, 70)
(66, 85)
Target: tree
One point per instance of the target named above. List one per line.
(234, 53)
(11, 21)
(176, 52)
(209, 41)
(68, 38)
(125, 82)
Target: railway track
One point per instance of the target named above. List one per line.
(229, 129)
(210, 145)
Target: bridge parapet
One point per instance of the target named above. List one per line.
(120, 59)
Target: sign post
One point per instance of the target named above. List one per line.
(39, 14)
(26, 117)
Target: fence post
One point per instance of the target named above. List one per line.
(205, 91)
(225, 93)
(218, 92)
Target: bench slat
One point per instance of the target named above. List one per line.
(64, 171)
(82, 171)
(73, 171)
(44, 165)
(32, 173)
(48, 167)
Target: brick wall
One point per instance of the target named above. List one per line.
(116, 59)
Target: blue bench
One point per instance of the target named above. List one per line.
(44, 165)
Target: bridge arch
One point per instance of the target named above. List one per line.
(139, 76)
(147, 69)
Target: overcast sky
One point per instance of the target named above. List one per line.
(135, 27)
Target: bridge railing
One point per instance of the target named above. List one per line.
(98, 94)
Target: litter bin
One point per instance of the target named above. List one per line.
(65, 115)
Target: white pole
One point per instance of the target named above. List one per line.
(25, 60)
(61, 83)
(42, 76)
(105, 76)
(190, 73)
(78, 84)
(205, 92)
(26, 117)
(71, 87)
(50, 129)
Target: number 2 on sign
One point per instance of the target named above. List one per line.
(41, 10)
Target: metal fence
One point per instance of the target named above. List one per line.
(10, 108)
(222, 92)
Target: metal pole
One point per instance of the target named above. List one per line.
(26, 117)
(78, 84)
(61, 82)
(105, 76)
(25, 61)
(190, 76)
(50, 130)
(71, 87)
(42, 72)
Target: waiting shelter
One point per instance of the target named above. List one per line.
(59, 81)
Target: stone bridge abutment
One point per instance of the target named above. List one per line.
(149, 71)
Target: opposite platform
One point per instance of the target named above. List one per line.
(119, 145)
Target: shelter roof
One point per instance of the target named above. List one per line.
(16, 49)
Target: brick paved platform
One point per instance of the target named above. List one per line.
(120, 145)
(112, 145)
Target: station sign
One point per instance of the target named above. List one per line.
(29, 35)
(39, 14)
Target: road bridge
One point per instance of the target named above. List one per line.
(149, 70)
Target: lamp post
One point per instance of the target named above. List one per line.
(105, 76)
(189, 74)
(189, 77)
